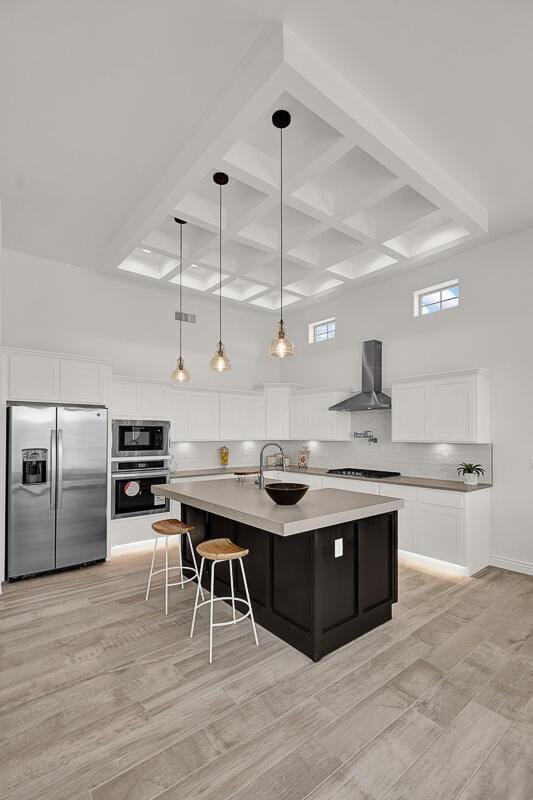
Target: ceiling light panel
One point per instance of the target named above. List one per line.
(271, 300)
(149, 265)
(365, 264)
(241, 290)
(392, 214)
(327, 248)
(198, 277)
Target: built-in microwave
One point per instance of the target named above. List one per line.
(138, 438)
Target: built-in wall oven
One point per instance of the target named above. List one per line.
(131, 488)
(139, 438)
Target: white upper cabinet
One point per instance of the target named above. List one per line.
(180, 404)
(42, 377)
(155, 401)
(453, 407)
(204, 418)
(310, 417)
(34, 378)
(277, 412)
(126, 399)
(242, 416)
(82, 381)
(409, 412)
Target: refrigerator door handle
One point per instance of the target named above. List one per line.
(59, 476)
(53, 469)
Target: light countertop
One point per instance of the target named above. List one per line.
(403, 480)
(244, 502)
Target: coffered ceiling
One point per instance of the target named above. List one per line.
(411, 133)
(361, 199)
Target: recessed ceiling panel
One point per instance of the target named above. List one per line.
(271, 301)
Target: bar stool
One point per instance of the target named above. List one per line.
(163, 530)
(217, 550)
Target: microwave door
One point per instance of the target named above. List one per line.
(31, 490)
(81, 485)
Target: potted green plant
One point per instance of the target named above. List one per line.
(470, 473)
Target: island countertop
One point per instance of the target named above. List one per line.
(243, 502)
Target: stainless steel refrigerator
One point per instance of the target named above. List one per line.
(56, 487)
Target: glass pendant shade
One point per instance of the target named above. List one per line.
(281, 346)
(220, 361)
(181, 373)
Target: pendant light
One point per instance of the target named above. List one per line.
(220, 361)
(181, 373)
(281, 346)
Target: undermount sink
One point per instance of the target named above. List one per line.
(286, 494)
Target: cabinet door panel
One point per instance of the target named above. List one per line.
(34, 378)
(204, 417)
(407, 527)
(179, 416)
(450, 408)
(440, 533)
(254, 418)
(232, 417)
(321, 420)
(409, 413)
(155, 402)
(299, 408)
(81, 382)
(277, 414)
(125, 400)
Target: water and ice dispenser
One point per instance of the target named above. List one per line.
(34, 463)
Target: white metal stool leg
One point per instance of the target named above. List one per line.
(166, 574)
(230, 564)
(180, 563)
(198, 590)
(193, 556)
(211, 604)
(252, 620)
(151, 569)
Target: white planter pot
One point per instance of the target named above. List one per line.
(470, 479)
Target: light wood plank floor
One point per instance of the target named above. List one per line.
(104, 697)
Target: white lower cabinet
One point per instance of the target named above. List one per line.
(440, 533)
(347, 485)
(407, 527)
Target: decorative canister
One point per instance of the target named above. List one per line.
(224, 456)
(303, 458)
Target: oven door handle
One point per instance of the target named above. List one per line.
(141, 474)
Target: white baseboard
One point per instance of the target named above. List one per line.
(513, 564)
(435, 563)
(129, 547)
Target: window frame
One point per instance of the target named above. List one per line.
(311, 334)
(439, 287)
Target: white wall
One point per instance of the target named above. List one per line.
(492, 328)
(57, 307)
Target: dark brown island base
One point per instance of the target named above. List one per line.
(320, 574)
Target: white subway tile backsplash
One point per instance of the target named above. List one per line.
(416, 459)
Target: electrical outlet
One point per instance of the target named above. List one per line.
(338, 548)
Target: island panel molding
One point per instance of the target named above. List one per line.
(290, 577)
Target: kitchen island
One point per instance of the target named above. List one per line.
(320, 573)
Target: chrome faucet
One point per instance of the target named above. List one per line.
(261, 460)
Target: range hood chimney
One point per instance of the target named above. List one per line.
(371, 398)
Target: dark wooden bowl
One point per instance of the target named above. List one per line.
(286, 494)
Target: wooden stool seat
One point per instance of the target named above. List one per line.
(220, 550)
(171, 527)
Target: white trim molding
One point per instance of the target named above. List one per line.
(130, 547)
(416, 559)
(514, 564)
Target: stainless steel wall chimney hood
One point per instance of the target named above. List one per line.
(371, 398)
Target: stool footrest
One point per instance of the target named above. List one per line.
(231, 621)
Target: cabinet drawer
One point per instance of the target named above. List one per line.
(351, 485)
(399, 492)
(440, 497)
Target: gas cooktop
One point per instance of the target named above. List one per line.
(363, 473)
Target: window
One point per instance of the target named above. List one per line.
(436, 298)
(322, 330)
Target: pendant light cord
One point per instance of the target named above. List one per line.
(281, 223)
(181, 264)
(220, 265)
